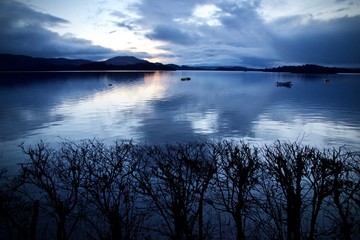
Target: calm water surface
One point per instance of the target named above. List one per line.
(157, 108)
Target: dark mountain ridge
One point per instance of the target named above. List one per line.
(124, 60)
(312, 69)
(9, 62)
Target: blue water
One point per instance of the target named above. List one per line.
(157, 107)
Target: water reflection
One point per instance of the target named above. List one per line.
(157, 107)
(116, 111)
(318, 131)
(40, 101)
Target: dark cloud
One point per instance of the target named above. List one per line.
(230, 33)
(244, 25)
(171, 34)
(236, 32)
(332, 42)
(244, 37)
(25, 31)
(126, 25)
(125, 21)
(16, 14)
(194, 41)
(155, 12)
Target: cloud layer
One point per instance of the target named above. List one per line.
(26, 31)
(335, 41)
(255, 33)
(237, 32)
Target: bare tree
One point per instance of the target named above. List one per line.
(354, 167)
(286, 164)
(271, 216)
(175, 179)
(309, 178)
(344, 190)
(18, 217)
(238, 173)
(320, 173)
(126, 191)
(109, 189)
(58, 175)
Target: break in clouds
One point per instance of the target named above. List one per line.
(233, 32)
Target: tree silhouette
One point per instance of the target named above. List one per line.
(344, 191)
(88, 189)
(286, 164)
(175, 179)
(238, 173)
(18, 217)
(58, 174)
(109, 191)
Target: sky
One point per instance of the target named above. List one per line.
(250, 33)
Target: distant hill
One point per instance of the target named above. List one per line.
(311, 69)
(125, 60)
(10, 62)
(236, 68)
(304, 69)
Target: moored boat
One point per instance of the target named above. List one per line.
(284, 84)
(185, 79)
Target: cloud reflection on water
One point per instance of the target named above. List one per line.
(158, 107)
(317, 129)
(116, 111)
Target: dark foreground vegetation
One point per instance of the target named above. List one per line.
(194, 190)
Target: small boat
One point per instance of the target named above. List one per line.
(284, 84)
(326, 80)
(185, 79)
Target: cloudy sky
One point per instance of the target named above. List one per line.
(252, 33)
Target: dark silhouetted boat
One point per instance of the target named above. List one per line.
(185, 79)
(284, 84)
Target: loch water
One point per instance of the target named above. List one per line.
(157, 107)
